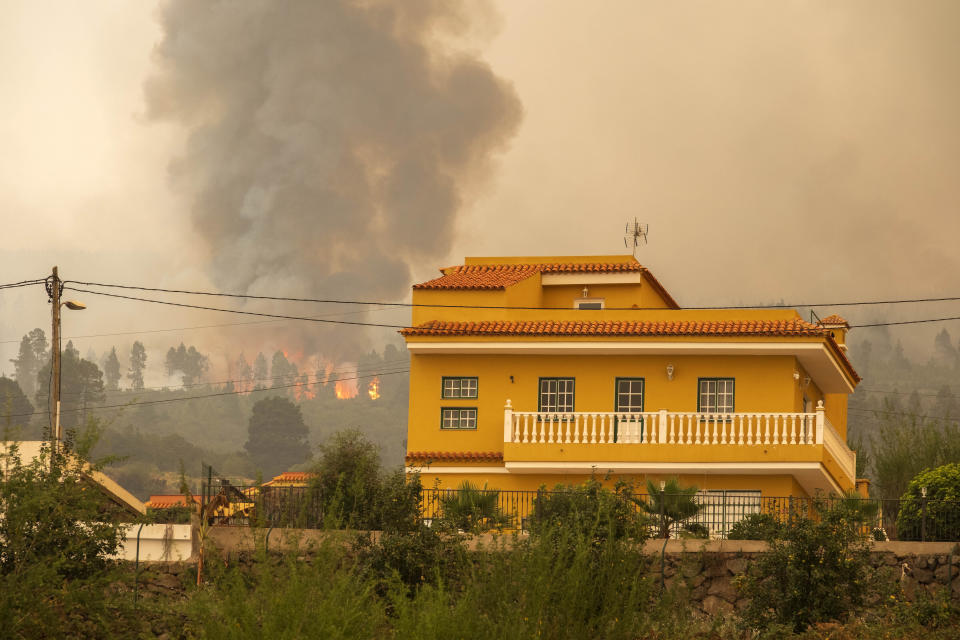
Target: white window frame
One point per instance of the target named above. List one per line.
(716, 394)
(568, 389)
(453, 387)
(458, 418)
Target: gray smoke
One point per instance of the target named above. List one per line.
(330, 143)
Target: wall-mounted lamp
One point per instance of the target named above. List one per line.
(796, 376)
(806, 381)
(670, 371)
(511, 379)
(586, 292)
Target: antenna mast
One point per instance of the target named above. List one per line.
(635, 235)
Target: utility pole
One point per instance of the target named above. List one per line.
(54, 287)
(53, 290)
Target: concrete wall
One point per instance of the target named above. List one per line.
(158, 543)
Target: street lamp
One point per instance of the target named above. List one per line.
(54, 290)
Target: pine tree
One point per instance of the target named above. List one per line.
(31, 357)
(111, 370)
(138, 363)
(260, 372)
(81, 386)
(282, 371)
(243, 373)
(944, 351)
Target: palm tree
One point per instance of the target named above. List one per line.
(470, 508)
(670, 505)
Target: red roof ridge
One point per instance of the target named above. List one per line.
(168, 500)
(500, 276)
(835, 319)
(454, 456)
(749, 327)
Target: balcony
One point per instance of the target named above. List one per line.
(804, 445)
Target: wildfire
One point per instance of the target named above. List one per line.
(345, 389)
(373, 389)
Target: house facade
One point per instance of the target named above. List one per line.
(531, 371)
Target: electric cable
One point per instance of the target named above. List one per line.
(401, 326)
(459, 306)
(200, 397)
(904, 414)
(388, 364)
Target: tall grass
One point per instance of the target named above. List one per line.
(315, 596)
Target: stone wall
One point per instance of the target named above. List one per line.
(708, 568)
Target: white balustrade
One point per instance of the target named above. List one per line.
(668, 427)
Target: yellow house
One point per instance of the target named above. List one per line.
(527, 371)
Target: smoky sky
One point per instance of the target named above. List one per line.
(331, 144)
(797, 150)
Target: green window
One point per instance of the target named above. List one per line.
(716, 395)
(458, 418)
(629, 399)
(556, 395)
(456, 387)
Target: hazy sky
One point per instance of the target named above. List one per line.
(805, 151)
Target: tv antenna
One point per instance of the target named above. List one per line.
(635, 235)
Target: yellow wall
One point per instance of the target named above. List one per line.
(762, 384)
(768, 485)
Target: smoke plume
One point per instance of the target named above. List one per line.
(331, 144)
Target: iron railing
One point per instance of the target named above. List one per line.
(717, 512)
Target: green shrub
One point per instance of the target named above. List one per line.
(589, 510)
(58, 533)
(352, 491)
(415, 557)
(472, 509)
(940, 509)
(815, 572)
(347, 481)
(756, 526)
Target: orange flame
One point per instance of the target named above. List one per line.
(345, 389)
(373, 389)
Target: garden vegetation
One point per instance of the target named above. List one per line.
(582, 573)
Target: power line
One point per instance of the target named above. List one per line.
(202, 326)
(904, 393)
(460, 306)
(400, 326)
(246, 313)
(891, 324)
(200, 397)
(389, 364)
(22, 283)
(902, 413)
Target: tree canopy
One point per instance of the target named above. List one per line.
(138, 363)
(34, 352)
(111, 370)
(81, 386)
(189, 362)
(277, 435)
(15, 409)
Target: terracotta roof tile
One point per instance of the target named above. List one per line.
(292, 476)
(619, 328)
(835, 319)
(454, 456)
(165, 501)
(498, 276)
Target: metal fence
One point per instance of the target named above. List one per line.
(716, 515)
